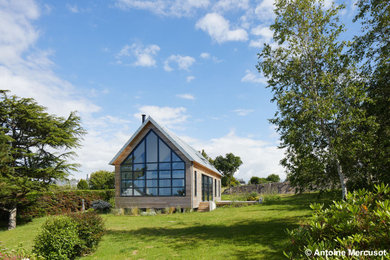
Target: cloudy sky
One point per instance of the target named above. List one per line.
(189, 64)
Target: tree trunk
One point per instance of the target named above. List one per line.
(343, 181)
(12, 218)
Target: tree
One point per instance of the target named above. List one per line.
(254, 180)
(372, 50)
(204, 154)
(102, 180)
(273, 178)
(227, 166)
(82, 185)
(314, 83)
(34, 150)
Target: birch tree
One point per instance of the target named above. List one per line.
(318, 95)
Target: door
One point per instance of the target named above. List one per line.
(207, 188)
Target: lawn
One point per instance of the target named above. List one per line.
(252, 232)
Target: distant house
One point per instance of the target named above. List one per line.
(156, 169)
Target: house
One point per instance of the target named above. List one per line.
(156, 169)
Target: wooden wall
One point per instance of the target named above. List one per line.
(200, 169)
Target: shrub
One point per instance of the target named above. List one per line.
(101, 206)
(20, 253)
(61, 202)
(361, 222)
(253, 196)
(82, 185)
(90, 227)
(58, 239)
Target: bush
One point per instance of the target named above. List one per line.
(61, 202)
(82, 185)
(101, 206)
(90, 227)
(253, 196)
(58, 239)
(361, 222)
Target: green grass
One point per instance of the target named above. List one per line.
(252, 232)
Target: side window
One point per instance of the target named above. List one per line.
(196, 184)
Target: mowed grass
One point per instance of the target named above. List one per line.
(252, 232)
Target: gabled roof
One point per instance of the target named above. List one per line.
(190, 153)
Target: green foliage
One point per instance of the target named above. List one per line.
(361, 222)
(60, 202)
(82, 185)
(254, 180)
(372, 50)
(270, 178)
(65, 237)
(102, 180)
(273, 178)
(30, 141)
(204, 154)
(227, 165)
(233, 181)
(58, 239)
(253, 196)
(20, 253)
(90, 228)
(320, 117)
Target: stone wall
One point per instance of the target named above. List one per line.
(275, 187)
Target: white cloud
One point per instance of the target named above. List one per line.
(186, 96)
(182, 62)
(165, 7)
(17, 33)
(172, 117)
(253, 78)
(219, 28)
(73, 8)
(190, 78)
(242, 111)
(265, 10)
(144, 55)
(205, 55)
(28, 72)
(259, 158)
(227, 5)
(264, 32)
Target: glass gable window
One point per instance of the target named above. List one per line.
(152, 169)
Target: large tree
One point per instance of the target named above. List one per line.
(227, 165)
(372, 50)
(314, 82)
(34, 152)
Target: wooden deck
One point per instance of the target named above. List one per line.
(229, 202)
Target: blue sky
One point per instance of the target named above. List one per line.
(189, 64)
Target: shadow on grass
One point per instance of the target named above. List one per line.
(243, 240)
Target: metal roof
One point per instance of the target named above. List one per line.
(189, 152)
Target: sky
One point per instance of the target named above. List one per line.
(189, 64)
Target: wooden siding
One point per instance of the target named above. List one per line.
(199, 169)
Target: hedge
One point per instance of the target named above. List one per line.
(60, 202)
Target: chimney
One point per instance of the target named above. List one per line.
(143, 118)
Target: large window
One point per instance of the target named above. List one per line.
(207, 188)
(152, 169)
